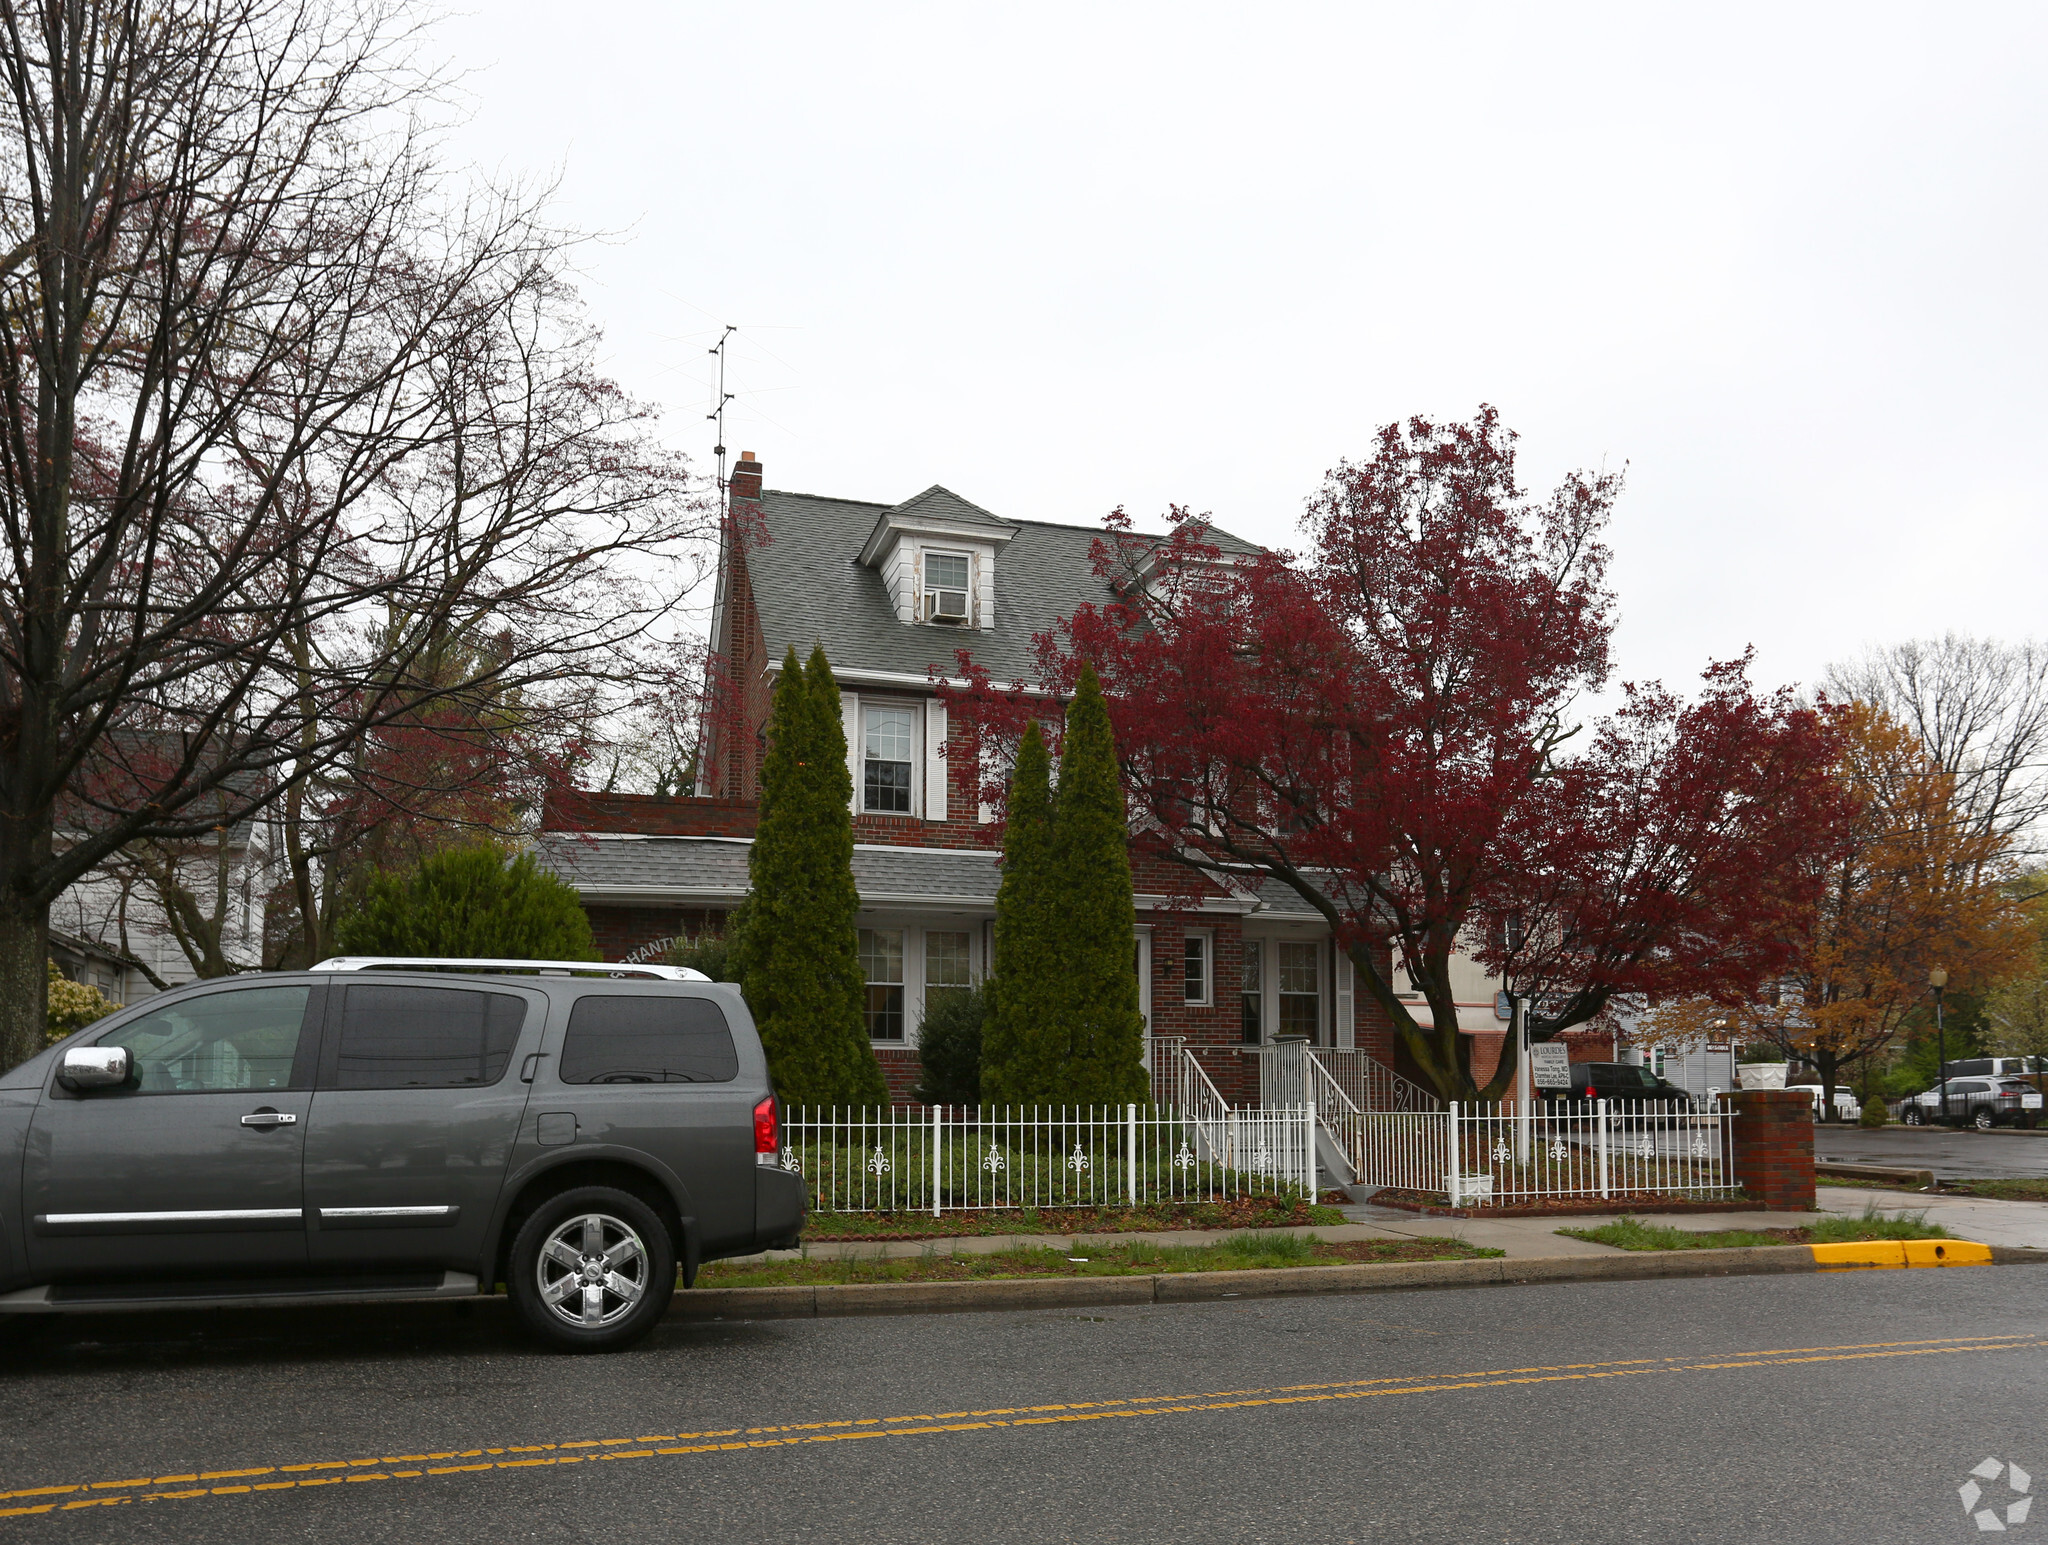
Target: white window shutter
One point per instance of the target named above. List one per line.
(849, 714)
(1347, 1021)
(984, 812)
(934, 760)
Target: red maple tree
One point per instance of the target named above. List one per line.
(1387, 725)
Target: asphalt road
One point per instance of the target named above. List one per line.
(1951, 1155)
(1820, 1408)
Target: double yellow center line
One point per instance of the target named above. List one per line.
(406, 1467)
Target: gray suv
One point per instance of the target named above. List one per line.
(393, 1130)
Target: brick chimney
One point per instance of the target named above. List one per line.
(745, 482)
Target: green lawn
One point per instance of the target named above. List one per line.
(2029, 1188)
(1635, 1234)
(1240, 1252)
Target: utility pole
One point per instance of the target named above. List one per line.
(717, 412)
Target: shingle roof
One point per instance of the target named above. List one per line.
(941, 503)
(714, 868)
(810, 589)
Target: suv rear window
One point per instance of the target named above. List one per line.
(648, 1040)
(425, 1037)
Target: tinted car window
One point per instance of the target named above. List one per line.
(425, 1037)
(636, 1040)
(222, 1042)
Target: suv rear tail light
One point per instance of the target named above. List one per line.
(767, 1133)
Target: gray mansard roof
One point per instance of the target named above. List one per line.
(810, 588)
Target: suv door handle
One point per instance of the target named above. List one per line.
(270, 1118)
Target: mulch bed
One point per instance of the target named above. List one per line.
(1237, 1215)
(1559, 1207)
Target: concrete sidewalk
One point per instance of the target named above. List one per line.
(1967, 1217)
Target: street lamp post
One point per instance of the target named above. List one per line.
(1937, 979)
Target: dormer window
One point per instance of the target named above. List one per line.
(946, 588)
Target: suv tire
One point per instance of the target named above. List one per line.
(592, 1270)
(1912, 1117)
(1983, 1119)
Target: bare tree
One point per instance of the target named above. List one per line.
(298, 447)
(1980, 707)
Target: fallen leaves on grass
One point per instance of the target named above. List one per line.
(1241, 1213)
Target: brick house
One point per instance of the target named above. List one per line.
(892, 592)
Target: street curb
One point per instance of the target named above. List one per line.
(830, 1300)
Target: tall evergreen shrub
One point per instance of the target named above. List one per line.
(1097, 986)
(470, 901)
(1023, 1041)
(795, 953)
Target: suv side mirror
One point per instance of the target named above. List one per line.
(95, 1067)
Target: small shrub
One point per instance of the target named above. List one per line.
(949, 1048)
(710, 953)
(1874, 1113)
(73, 1005)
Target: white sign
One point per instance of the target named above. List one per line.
(2030, 1102)
(1550, 1065)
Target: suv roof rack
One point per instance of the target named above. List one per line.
(502, 967)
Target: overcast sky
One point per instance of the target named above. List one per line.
(1784, 262)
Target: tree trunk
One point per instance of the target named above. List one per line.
(1828, 1068)
(24, 979)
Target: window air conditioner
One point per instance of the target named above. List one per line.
(947, 605)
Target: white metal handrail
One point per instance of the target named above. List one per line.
(1369, 1083)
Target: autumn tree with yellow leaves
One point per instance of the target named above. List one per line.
(1913, 884)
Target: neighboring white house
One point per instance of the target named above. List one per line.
(117, 912)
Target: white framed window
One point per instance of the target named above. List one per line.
(881, 968)
(1252, 992)
(1301, 997)
(888, 758)
(948, 975)
(948, 588)
(1198, 951)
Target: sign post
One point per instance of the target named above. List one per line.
(1525, 1122)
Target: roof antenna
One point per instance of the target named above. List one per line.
(718, 409)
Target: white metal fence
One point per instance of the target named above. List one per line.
(1480, 1154)
(945, 1159)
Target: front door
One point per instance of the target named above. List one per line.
(195, 1168)
(418, 1106)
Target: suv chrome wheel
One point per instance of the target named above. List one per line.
(592, 1270)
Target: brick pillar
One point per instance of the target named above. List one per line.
(1774, 1146)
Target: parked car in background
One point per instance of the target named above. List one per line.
(1847, 1106)
(390, 1129)
(1997, 1067)
(1621, 1083)
(1983, 1103)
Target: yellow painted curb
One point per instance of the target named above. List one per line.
(1946, 1252)
(1897, 1253)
